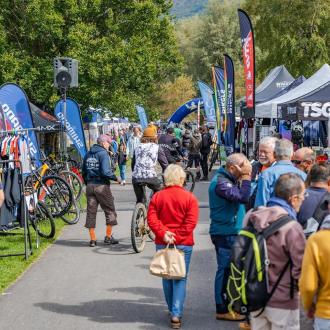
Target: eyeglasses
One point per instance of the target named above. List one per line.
(297, 162)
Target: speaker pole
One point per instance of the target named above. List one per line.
(65, 147)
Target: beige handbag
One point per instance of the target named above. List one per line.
(168, 263)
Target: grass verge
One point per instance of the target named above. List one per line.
(13, 242)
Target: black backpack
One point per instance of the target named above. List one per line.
(314, 223)
(247, 286)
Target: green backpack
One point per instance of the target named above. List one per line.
(247, 286)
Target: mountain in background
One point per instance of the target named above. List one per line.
(187, 8)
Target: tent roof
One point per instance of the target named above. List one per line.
(318, 79)
(277, 79)
(43, 119)
(293, 85)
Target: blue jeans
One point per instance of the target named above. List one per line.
(175, 290)
(122, 170)
(222, 246)
(321, 324)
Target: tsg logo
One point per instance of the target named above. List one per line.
(316, 109)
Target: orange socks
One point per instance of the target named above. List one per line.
(108, 231)
(92, 234)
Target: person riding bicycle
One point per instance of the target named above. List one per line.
(144, 164)
(171, 145)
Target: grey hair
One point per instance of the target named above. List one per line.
(268, 141)
(235, 159)
(283, 149)
(287, 185)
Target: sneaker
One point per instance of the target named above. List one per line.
(92, 243)
(175, 322)
(244, 326)
(110, 240)
(123, 183)
(204, 178)
(230, 317)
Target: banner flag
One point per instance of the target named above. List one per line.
(207, 96)
(220, 94)
(248, 57)
(229, 122)
(142, 116)
(17, 113)
(74, 127)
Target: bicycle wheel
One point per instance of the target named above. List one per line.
(42, 221)
(56, 194)
(189, 183)
(139, 230)
(74, 182)
(73, 215)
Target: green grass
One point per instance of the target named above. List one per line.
(13, 242)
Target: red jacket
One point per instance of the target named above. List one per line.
(173, 209)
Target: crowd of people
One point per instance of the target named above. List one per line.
(280, 183)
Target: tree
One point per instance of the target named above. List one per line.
(168, 96)
(294, 33)
(123, 49)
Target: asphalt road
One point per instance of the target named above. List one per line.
(74, 286)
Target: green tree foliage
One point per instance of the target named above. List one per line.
(123, 47)
(204, 39)
(293, 33)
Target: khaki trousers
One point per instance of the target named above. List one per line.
(276, 319)
(100, 194)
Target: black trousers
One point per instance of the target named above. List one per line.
(139, 186)
(205, 167)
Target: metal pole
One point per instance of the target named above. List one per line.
(65, 137)
(329, 133)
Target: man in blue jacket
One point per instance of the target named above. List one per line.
(97, 174)
(229, 188)
(283, 154)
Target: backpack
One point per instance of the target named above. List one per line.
(314, 223)
(247, 286)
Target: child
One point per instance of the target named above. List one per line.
(122, 158)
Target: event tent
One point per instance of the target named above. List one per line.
(43, 119)
(293, 85)
(278, 79)
(314, 106)
(317, 80)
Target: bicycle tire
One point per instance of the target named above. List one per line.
(138, 228)
(58, 197)
(190, 181)
(74, 211)
(74, 182)
(43, 222)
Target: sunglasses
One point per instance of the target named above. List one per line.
(297, 162)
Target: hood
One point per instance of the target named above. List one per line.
(97, 148)
(197, 136)
(264, 216)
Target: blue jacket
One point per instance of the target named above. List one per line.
(225, 198)
(268, 178)
(96, 166)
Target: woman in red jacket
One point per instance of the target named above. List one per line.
(172, 216)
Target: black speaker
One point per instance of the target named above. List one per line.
(65, 72)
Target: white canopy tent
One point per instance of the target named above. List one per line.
(318, 79)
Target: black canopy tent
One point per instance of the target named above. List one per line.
(313, 106)
(47, 122)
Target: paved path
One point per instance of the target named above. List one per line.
(74, 286)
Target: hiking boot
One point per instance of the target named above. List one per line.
(244, 326)
(92, 243)
(175, 322)
(230, 317)
(110, 240)
(198, 176)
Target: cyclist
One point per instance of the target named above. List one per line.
(171, 145)
(144, 164)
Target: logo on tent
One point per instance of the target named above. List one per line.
(316, 109)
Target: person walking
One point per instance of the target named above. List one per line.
(122, 159)
(173, 216)
(266, 183)
(205, 150)
(226, 195)
(285, 250)
(133, 141)
(314, 284)
(97, 173)
(194, 152)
